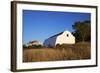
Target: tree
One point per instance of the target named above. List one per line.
(82, 31)
(24, 46)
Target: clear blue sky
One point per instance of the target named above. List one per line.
(40, 25)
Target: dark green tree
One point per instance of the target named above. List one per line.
(24, 46)
(82, 31)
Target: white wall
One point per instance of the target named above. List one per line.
(5, 37)
(63, 38)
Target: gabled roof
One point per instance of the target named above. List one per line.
(56, 35)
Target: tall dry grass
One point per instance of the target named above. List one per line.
(77, 51)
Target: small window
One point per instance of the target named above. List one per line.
(67, 35)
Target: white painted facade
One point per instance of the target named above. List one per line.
(35, 42)
(62, 38)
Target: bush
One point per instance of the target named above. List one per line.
(35, 46)
(24, 46)
(64, 46)
(58, 46)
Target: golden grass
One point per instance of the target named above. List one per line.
(71, 52)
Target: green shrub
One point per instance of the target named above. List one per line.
(35, 46)
(24, 46)
(64, 46)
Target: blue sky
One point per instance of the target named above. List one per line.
(40, 25)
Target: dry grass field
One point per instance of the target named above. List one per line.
(77, 51)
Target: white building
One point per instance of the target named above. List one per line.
(35, 42)
(62, 38)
